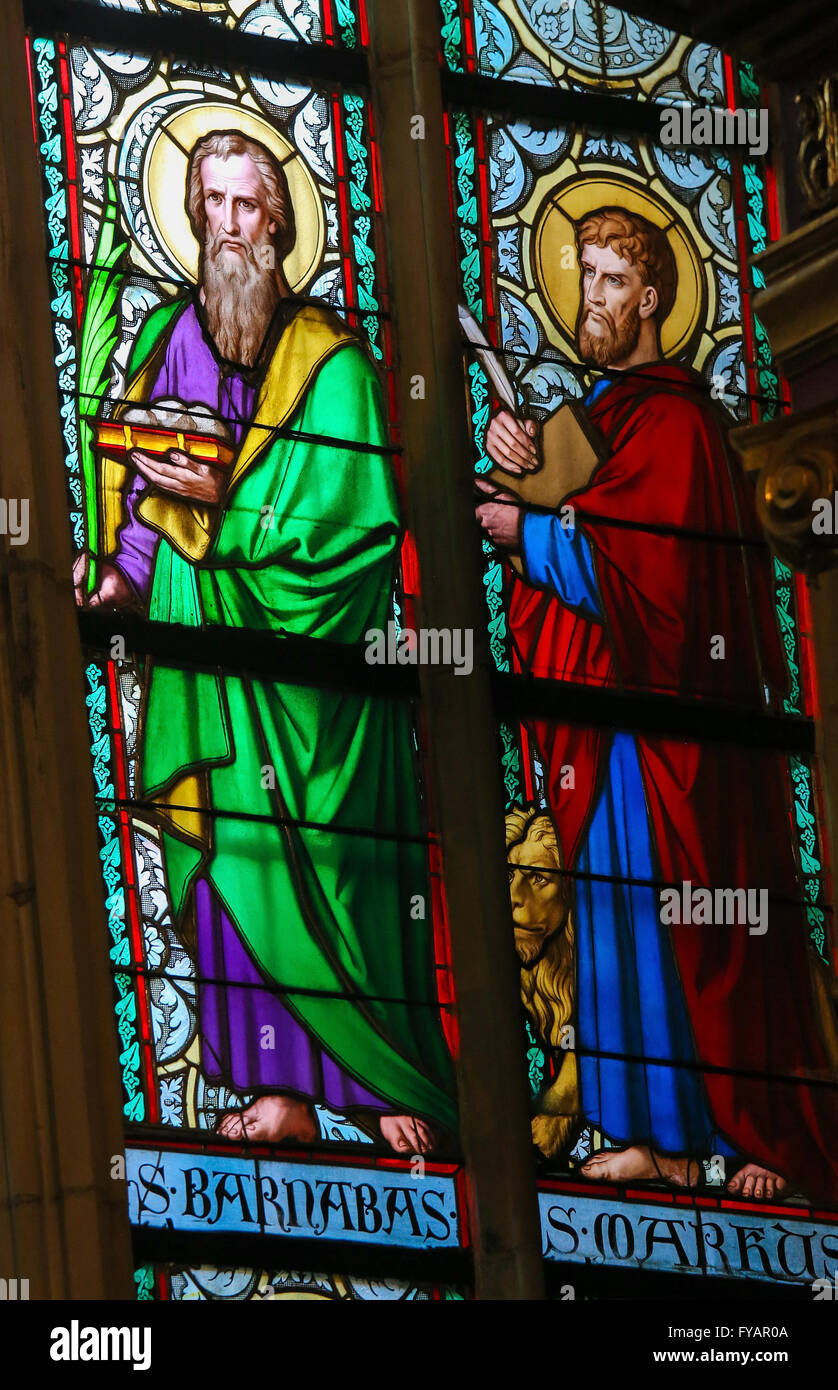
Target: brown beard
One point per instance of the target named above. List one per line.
(612, 344)
(240, 299)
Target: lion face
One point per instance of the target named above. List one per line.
(544, 940)
(537, 893)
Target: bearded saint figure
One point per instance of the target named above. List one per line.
(694, 1040)
(313, 984)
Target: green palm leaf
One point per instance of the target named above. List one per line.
(99, 337)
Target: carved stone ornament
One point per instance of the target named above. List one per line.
(795, 460)
(817, 155)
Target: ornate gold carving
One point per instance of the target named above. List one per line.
(795, 460)
(817, 156)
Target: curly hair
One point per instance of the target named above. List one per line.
(224, 143)
(640, 243)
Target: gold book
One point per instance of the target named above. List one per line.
(122, 438)
(570, 449)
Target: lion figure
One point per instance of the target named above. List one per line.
(544, 937)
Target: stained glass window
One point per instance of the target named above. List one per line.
(204, 1283)
(225, 364)
(586, 496)
(272, 868)
(579, 44)
(521, 190)
(333, 22)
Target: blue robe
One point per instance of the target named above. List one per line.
(629, 1000)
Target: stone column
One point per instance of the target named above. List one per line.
(795, 457)
(64, 1223)
(461, 724)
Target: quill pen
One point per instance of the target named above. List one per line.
(489, 360)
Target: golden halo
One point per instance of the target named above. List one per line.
(164, 185)
(554, 230)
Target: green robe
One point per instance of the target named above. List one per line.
(317, 910)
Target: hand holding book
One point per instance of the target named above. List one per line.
(511, 444)
(182, 475)
(500, 515)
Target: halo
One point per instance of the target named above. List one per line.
(164, 185)
(554, 231)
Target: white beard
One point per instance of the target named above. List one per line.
(240, 298)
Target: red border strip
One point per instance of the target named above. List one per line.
(74, 211)
(31, 89)
(363, 26)
(633, 1196)
(310, 1157)
(131, 897)
(469, 38)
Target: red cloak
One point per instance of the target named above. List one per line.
(719, 813)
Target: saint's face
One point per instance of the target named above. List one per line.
(612, 292)
(539, 909)
(234, 199)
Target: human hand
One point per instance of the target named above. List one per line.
(510, 443)
(500, 515)
(181, 475)
(112, 591)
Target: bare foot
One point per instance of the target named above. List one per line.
(639, 1163)
(270, 1119)
(759, 1183)
(406, 1134)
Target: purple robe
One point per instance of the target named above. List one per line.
(235, 1007)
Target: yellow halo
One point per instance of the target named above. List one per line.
(554, 229)
(164, 186)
